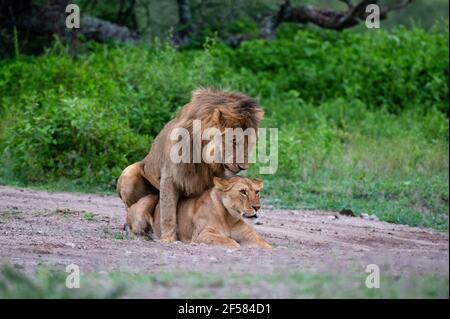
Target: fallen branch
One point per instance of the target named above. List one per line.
(325, 17)
(50, 19)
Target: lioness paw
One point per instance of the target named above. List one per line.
(264, 245)
(233, 245)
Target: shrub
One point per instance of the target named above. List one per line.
(72, 138)
(397, 71)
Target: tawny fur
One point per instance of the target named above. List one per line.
(214, 108)
(132, 186)
(139, 217)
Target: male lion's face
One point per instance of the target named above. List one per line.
(237, 140)
(240, 195)
(238, 160)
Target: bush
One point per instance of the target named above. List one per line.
(72, 138)
(400, 70)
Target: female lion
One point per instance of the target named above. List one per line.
(215, 217)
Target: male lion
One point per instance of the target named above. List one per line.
(215, 109)
(215, 217)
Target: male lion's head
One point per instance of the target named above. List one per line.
(240, 195)
(225, 111)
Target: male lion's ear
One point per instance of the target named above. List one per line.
(220, 183)
(217, 117)
(258, 183)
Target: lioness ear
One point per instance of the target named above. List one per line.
(220, 183)
(258, 183)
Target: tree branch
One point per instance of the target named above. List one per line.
(50, 19)
(325, 17)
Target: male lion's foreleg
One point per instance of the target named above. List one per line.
(168, 209)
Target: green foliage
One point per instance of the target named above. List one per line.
(71, 138)
(378, 70)
(362, 117)
(89, 216)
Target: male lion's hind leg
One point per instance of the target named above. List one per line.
(130, 235)
(132, 186)
(140, 216)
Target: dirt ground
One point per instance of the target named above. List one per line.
(57, 229)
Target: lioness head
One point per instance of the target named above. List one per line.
(240, 195)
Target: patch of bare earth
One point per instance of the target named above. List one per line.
(57, 229)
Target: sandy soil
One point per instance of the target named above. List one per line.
(43, 228)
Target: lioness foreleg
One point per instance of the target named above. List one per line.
(214, 238)
(245, 234)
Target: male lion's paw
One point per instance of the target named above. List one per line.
(169, 238)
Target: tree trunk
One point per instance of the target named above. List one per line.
(185, 25)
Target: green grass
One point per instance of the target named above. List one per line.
(89, 216)
(415, 200)
(51, 284)
(120, 236)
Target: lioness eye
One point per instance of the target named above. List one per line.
(257, 193)
(243, 192)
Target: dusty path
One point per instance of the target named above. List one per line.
(38, 227)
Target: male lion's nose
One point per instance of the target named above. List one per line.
(256, 207)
